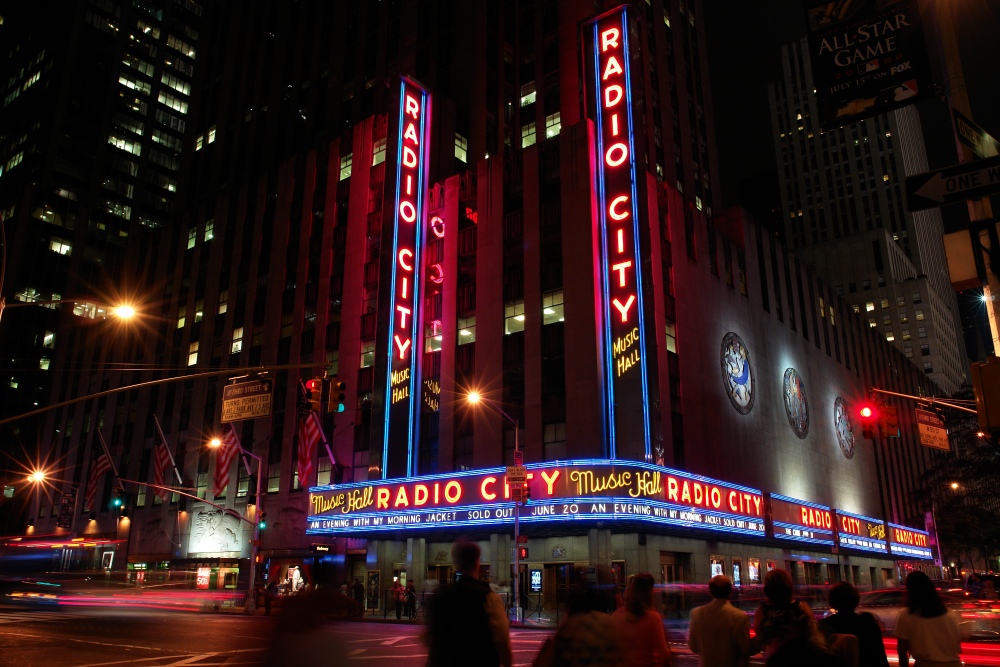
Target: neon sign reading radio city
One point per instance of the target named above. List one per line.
(403, 375)
(580, 490)
(617, 218)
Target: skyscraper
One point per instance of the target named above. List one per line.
(844, 207)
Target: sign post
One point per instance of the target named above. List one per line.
(957, 183)
(246, 400)
(932, 430)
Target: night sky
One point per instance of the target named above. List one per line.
(744, 45)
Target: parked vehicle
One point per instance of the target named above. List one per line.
(977, 619)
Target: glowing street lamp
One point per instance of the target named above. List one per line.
(38, 477)
(122, 311)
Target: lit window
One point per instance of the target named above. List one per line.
(833, 321)
(133, 84)
(180, 45)
(49, 340)
(869, 306)
(856, 308)
(192, 237)
(211, 135)
(889, 336)
(918, 315)
(432, 336)
(871, 322)
(903, 319)
(461, 147)
(181, 316)
(884, 303)
(527, 93)
(172, 102)
(378, 154)
(178, 84)
(199, 310)
(822, 308)
(697, 202)
(466, 330)
(905, 334)
(193, 354)
(237, 341)
(671, 330)
(367, 354)
(209, 230)
(43, 363)
(273, 477)
(323, 471)
(513, 316)
(666, 16)
(900, 301)
(12, 383)
(553, 124)
(126, 145)
(345, 166)
(223, 301)
(552, 307)
(199, 142)
(60, 247)
(528, 135)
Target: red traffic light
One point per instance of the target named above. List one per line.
(868, 412)
(522, 553)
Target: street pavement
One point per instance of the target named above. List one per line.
(116, 637)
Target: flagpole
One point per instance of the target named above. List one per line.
(111, 461)
(163, 439)
(319, 424)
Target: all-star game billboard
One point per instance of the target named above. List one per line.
(867, 56)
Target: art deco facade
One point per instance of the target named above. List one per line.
(283, 258)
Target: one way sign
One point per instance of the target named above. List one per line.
(953, 184)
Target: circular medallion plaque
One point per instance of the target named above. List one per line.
(796, 407)
(737, 373)
(845, 430)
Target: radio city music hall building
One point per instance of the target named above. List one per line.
(684, 388)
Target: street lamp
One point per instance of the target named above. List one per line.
(121, 311)
(37, 477)
(251, 605)
(474, 398)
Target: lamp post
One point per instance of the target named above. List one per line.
(475, 399)
(251, 605)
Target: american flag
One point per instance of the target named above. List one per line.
(100, 466)
(224, 456)
(310, 433)
(161, 459)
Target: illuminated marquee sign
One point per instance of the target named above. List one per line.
(402, 391)
(909, 542)
(597, 490)
(855, 531)
(801, 521)
(621, 307)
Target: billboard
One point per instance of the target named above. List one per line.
(906, 542)
(621, 310)
(801, 521)
(582, 490)
(402, 388)
(860, 533)
(867, 57)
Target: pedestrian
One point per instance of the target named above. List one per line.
(720, 633)
(359, 597)
(926, 630)
(466, 622)
(640, 629)
(411, 600)
(270, 592)
(786, 629)
(587, 637)
(844, 599)
(397, 598)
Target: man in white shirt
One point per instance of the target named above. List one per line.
(719, 632)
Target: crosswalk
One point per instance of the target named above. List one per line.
(7, 617)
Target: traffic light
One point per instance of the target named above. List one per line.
(526, 493)
(118, 498)
(314, 395)
(869, 419)
(337, 395)
(986, 385)
(262, 521)
(522, 553)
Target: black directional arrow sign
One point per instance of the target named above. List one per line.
(953, 184)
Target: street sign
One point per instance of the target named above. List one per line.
(975, 137)
(517, 493)
(246, 400)
(953, 184)
(66, 505)
(517, 475)
(522, 539)
(519, 457)
(932, 430)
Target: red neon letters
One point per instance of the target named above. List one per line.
(815, 518)
(711, 496)
(911, 537)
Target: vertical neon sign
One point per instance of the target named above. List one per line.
(622, 310)
(402, 397)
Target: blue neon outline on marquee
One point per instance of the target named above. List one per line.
(900, 545)
(796, 501)
(637, 251)
(535, 466)
(585, 516)
(418, 246)
(821, 539)
(883, 543)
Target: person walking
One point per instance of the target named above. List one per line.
(466, 622)
(640, 629)
(844, 599)
(270, 592)
(926, 630)
(359, 597)
(786, 629)
(397, 598)
(411, 600)
(719, 632)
